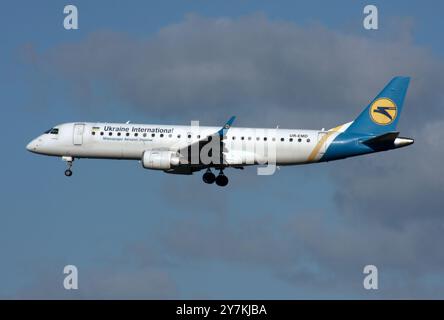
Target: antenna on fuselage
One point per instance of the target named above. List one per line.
(128, 122)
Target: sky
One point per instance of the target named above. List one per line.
(304, 232)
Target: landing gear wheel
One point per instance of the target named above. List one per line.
(68, 161)
(221, 180)
(209, 177)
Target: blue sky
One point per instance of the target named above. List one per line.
(134, 233)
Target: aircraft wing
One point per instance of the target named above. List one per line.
(217, 138)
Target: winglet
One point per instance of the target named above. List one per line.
(229, 122)
(226, 126)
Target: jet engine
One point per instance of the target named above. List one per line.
(160, 160)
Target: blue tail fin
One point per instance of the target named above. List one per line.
(382, 114)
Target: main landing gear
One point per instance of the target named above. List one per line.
(209, 177)
(69, 161)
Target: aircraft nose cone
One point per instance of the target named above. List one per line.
(31, 146)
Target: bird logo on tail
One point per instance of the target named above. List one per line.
(383, 111)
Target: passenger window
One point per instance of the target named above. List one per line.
(265, 138)
(189, 136)
(101, 133)
(234, 138)
(291, 139)
(136, 134)
(257, 138)
(144, 135)
(249, 138)
(299, 140)
(273, 139)
(93, 133)
(161, 135)
(170, 135)
(118, 134)
(153, 135)
(110, 134)
(127, 134)
(308, 140)
(282, 139)
(242, 138)
(178, 136)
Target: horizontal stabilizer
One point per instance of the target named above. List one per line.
(383, 141)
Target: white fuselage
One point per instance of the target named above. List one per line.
(244, 146)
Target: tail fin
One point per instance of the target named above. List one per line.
(382, 114)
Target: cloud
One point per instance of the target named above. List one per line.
(257, 68)
(398, 186)
(318, 252)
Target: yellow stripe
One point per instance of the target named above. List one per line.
(336, 129)
(321, 142)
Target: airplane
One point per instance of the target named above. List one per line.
(187, 149)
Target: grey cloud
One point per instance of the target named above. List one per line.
(398, 186)
(262, 70)
(320, 253)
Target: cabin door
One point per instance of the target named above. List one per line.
(78, 134)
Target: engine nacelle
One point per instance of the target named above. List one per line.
(160, 160)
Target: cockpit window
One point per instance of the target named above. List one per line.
(53, 131)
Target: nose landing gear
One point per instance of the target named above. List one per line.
(69, 160)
